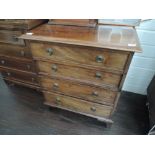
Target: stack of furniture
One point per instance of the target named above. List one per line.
(82, 68)
(16, 63)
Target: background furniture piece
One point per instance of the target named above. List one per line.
(16, 63)
(151, 104)
(75, 22)
(82, 69)
(121, 22)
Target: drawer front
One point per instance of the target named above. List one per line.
(15, 51)
(26, 77)
(97, 77)
(82, 55)
(11, 37)
(85, 92)
(77, 105)
(17, 64)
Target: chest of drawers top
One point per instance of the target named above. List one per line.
(102, 36)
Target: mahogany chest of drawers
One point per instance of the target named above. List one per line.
(16, 63)
(82, 69)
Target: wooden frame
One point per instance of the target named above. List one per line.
(74, 22)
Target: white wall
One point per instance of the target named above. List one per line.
(142, 67)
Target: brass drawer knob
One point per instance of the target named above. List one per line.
(28, 66)
(93, 109)
(54, 68)
(50, 51)
(99, 58)
(8, 74)
(58, 100)
(22, 53)
(32, 79)
(15, 38)
(98, 75)
(2, 62)
(55, 86)
(95, 93)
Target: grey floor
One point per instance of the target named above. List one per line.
(22, 112)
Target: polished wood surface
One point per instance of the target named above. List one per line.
(75, 22)
(20, 24)
(21, 76)
(15, 51)
(24, 65)
(90, 76)
(122, 22)
(76, 105)
(101, 58)
(11, 37)
(75, 61)
(111, 37)
(83, 91)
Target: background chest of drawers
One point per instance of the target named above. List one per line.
(82, 69)
(16, 63)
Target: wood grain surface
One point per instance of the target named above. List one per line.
(17, 63)
(96, 77)
(102, 58)
(75, 89)
(76, 105)
(15, 51)
(75, 22)
(11, 37)
(111, 37)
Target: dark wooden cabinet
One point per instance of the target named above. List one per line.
(16, 62)
(82, 69)
(151, 103)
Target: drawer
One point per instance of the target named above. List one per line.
(20, 64)
(96, 77)
(19, 76)
(11, 37)
(77, 105)
(15, 51)
(70, 88)
(103, 58)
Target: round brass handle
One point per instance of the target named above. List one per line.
(2, 62)
(50, 51)
(32, 79)
(54, 68)
(8, 74)
(98, 75)
(22, 53)
(15, 38)
(99, 58)
(58, 100)
(55, 86)
(95, 93)
(93, 109)
(28, 66)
